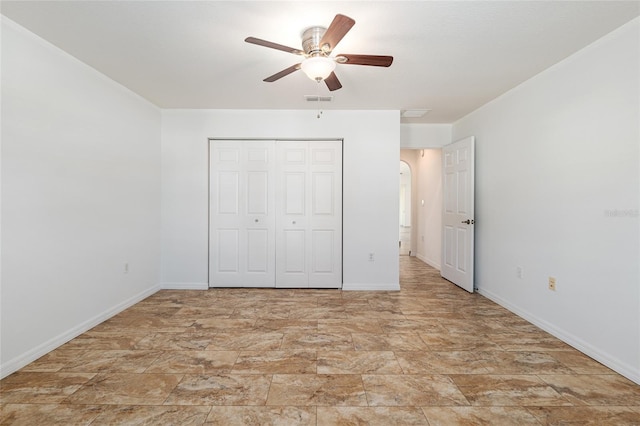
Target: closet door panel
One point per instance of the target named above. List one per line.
(294, 193)
(310, 193)
(325, 220)
(323, 194)
(294, 252)
(257, 193)
(228, 251)
(291, 215)
(228, 192)
(242, 220)
(258, 248)
(323, 252)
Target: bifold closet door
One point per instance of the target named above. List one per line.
(241, 214)
(309, 214)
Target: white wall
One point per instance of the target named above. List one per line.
(427, 219)
(429, 224)
(424, 135)
(371, 186)
(426, 222)
(557, 191)
(80, 197)
(409, 156)
(406, 176)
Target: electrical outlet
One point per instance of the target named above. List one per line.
(371, 257)
(552, 284)
(519, 272)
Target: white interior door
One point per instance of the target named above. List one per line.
(309, 214)
(241, 214)
(458, 213)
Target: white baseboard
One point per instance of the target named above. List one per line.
(20, 361)
(184, 286)
(345, 286)
(371, 287)
(428, 261)
(630, 372)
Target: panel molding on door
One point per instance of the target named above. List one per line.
(241, 213)
(309, 214)
(457, 213)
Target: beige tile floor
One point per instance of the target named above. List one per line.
(430, 354)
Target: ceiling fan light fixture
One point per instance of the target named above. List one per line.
(318, 44)
(318, 68)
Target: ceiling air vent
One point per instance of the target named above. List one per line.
(414, 113)
(315, 98)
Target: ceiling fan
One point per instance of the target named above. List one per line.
(317, 45)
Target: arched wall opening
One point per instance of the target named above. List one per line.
(426, 203)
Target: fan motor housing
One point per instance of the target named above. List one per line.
(311, 40)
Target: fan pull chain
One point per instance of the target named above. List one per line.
(318, 98)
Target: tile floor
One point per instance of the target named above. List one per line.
(430, 354)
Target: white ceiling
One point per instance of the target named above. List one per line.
(450, 56)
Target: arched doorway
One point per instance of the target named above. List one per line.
(404, 240)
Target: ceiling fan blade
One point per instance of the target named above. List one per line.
(273, 45)
(339, 27)
(371, 60)
(332, 82)
(282, 73)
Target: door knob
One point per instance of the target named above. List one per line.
(256, 220)
(469, 221)
(294, 222)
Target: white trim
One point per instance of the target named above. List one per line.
(428, 261)
(604, 358)
(20, 361)
(371, 287)
(184, 286)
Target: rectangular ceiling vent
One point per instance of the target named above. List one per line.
(414, 113)
(315, 98)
